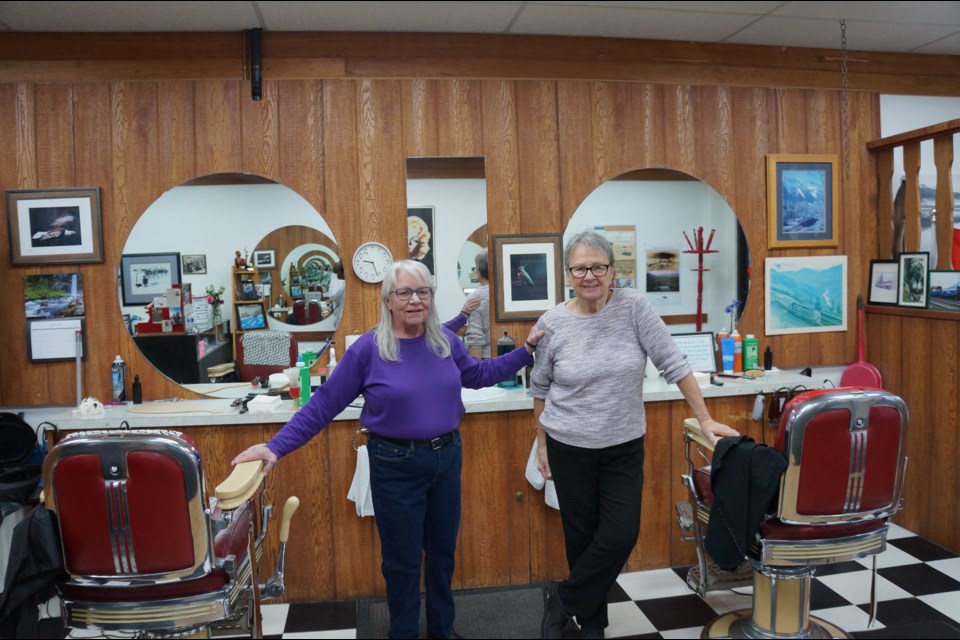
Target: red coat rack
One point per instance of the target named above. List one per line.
(700, 249)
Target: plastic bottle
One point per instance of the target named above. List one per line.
(137, 391)
(751, 353)
(118, 376)
(332, 362)
(304, 383)
(505, 345)
(727, 347)
(737, 352)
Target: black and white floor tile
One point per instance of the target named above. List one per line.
(918, 589)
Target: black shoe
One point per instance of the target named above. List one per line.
(455, 636)
(591, 631)
(555, 616)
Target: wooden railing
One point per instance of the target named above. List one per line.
(899, 226)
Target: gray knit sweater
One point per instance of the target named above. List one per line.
(589, 370)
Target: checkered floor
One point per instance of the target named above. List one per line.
(918, 587)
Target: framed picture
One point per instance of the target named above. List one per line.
(420, 235)
(248, 290)
(884, 275)
(944, 292)
(194, 264)
(528, 271)
(55, 226)
(296, 291)
(802, 195)
(912, 291)
(806, 294)
(250, 315)
(53, 295)
(144, 276)
(266, 277)
(265, 259)
(700, 349)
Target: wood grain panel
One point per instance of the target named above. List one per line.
(420, 105)
(943, 159)
(260, 131)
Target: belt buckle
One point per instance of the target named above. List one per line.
(436, 443)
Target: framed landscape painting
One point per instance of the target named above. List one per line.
(806, 294)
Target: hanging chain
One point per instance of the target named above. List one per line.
(844, 100)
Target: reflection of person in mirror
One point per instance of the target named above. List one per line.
(591, 447)
(410, 370)
(336, 290)
(477, 335)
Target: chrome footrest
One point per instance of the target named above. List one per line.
(718, 579)
(685, 520)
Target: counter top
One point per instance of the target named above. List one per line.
(216, 411)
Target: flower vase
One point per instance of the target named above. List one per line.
(217, 324)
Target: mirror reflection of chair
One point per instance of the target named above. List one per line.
(844, 476)
(144, 549)
(262, 352)
(306, 311)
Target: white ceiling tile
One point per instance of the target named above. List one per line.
(932, 13)
(949, 46)
(803, 32)
(472, 17)
(128, 16)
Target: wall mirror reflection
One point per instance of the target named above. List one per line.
(210, 220)
(447, 223)
(645, 213)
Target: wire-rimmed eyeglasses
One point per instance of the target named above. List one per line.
(598, 270)
(423, 293)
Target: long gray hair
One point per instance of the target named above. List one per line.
(588, 238)
(387, 342)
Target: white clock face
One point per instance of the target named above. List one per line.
(371, 260)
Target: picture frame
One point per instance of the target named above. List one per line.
(194, 264)
(296, 291)
(248, 290)
(55, 226)
(55, 339)
(250, 316)
(700, 349)
(528, 272)
(884, 276)
(944, 291)
(53, 295)
(421, 232)
(802, 201)
(264, 259)
(912, 287)
(805, 294)
(144, 276)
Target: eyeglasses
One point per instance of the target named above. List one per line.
(423, 293)
(599, 270)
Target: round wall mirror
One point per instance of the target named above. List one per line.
(648, 214)
(193, 234)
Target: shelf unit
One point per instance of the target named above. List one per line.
(244, 285)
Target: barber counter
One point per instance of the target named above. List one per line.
(508, 536)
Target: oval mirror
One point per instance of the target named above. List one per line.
(648, 214)
(192, 234)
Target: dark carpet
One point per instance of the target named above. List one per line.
(482, 613)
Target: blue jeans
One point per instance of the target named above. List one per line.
(416, 501)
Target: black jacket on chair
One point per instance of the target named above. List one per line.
(745, 479)
(35, 566)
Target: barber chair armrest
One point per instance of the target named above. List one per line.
(691, 429)
(240, 486)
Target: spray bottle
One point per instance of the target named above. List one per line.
(751, 353)
(118, 376)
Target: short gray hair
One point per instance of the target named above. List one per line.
(482, 262)
(588, 238)
(387, 343)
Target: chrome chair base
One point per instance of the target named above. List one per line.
(740, 624)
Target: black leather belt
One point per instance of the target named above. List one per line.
(435, 443)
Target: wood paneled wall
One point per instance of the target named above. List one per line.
(554, 117)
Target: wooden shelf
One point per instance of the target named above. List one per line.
(912, 312)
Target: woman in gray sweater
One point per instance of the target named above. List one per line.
(587, 384)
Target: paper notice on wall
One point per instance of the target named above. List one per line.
(54, 339)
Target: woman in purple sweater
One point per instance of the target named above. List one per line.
(410, 370)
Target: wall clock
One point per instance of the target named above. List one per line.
(371, 260)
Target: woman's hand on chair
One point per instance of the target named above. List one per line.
(258, 452)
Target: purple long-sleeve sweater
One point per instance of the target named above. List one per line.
(416, 398)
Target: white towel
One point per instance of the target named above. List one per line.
(538, 482)
(360, 487)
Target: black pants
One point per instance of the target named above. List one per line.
(600, 493)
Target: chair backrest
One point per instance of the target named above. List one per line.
(262, 352)
(845, 455)
(130, 507)
(306, 311)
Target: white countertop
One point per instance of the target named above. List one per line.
(217, 411)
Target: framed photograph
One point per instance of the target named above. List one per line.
(700, 349)
(912, 291)
(884, 275)
(420, 235)
(248, 290)
(250, 315)
(265, 259)
(528, 271)
(54, 295)
(194, 264)
(266, 277)
(806, 295)
(55, 226)
(144, 276)
(296, 291)
(944, 293)
(802, 201)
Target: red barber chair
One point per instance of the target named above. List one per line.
(145, 549)
(265, 351)
(307, 311)
(843, 482)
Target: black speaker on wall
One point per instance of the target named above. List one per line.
(256, 65)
